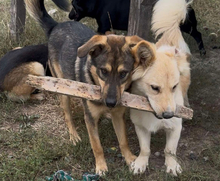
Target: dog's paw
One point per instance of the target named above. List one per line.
(38, 96)
(173, 167)
(101, 170)
(130, 159)
(75, 138)
(202, 52)
(139, 165)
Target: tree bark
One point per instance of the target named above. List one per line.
(140, 18)
(18, 14)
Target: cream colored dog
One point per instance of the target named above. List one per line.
(164, 82)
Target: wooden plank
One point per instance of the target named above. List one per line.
(18, 14)
(93, 93)
(140, 19)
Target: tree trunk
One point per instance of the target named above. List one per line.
(18, 14)
(140, 18)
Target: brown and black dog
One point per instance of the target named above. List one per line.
(76, 53)
(15, 67)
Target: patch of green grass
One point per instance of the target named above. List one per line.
(28, 154)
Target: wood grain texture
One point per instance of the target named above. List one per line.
(93, 93)
(140, 19)
(18, 15)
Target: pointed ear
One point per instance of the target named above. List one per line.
(182, 55)
(171, 51)
(144, 53)
(183, 62)
(93, 47)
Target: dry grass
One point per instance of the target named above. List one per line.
(207, 13)
(34, 139)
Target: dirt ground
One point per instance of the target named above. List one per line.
(200, 136)
(198, 149)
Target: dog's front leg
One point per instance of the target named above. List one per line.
(120, 130)
(65, 103)
(92, 114)
(172, 139)
(144, 137)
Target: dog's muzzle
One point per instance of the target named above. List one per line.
(164, 115)
(167, 115)
(111, 103)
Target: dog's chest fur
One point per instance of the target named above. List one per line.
(148, 121)
(82, 70)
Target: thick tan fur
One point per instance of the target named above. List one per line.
(165, 83)
(166, 19)
(14, 82)
(167, 16)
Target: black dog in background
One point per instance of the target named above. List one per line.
(15, 67)
(115, 13)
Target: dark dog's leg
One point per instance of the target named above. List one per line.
(198, 37)
(65, 103)
(53, 66)
(92, 114)
(190, 27)
(120, 130)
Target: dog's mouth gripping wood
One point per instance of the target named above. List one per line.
(93, 93)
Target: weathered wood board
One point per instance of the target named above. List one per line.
(18, 15)
(93, 93)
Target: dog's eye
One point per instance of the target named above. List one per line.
(104, 71)
(155, 88)
(123, 74)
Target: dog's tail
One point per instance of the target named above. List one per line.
(38, 11)
(166, 19)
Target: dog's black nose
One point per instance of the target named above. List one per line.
(167, 115)
(111, 103)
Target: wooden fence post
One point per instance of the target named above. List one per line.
(18, 14)
(140, 18)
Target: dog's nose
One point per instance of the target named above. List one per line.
(167, 115)
(111, 102)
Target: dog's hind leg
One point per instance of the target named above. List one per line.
(15, 82)
(172, 139)
(198, 37)
(190, 27)
(144, 137)
(65, 104)
(92, 114)
(120, 130)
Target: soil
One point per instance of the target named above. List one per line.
(199, 135)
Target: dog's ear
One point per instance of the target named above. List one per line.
(182, 58)
(144, 53)
(183, 62)
(93, 47)
(132, 40)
